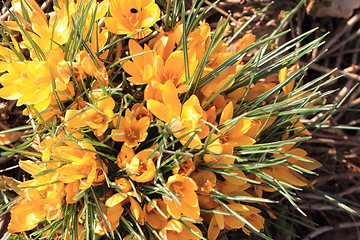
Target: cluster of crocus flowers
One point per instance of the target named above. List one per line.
(156, 151)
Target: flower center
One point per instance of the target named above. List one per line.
(225, 138)
(186, 166)
(177, 187)
(132, 135)
(142, 168)
(24, 74)
(174, 77)
(100, 119)
(86, 169)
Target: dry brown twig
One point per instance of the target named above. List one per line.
(341, 31)
(320, 207)
(4, 16)
(349, 191)
(221, 11)
(327, 178)
(324, 229)
(333, 142)
(320, 68)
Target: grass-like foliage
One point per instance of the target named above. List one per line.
(147, 126)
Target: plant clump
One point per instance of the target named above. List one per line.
(144, 134)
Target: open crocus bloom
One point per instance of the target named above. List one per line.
(185, 188)
(132, 16)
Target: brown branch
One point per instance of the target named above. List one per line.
(320, 68)
(224, 13)
(324, 229)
